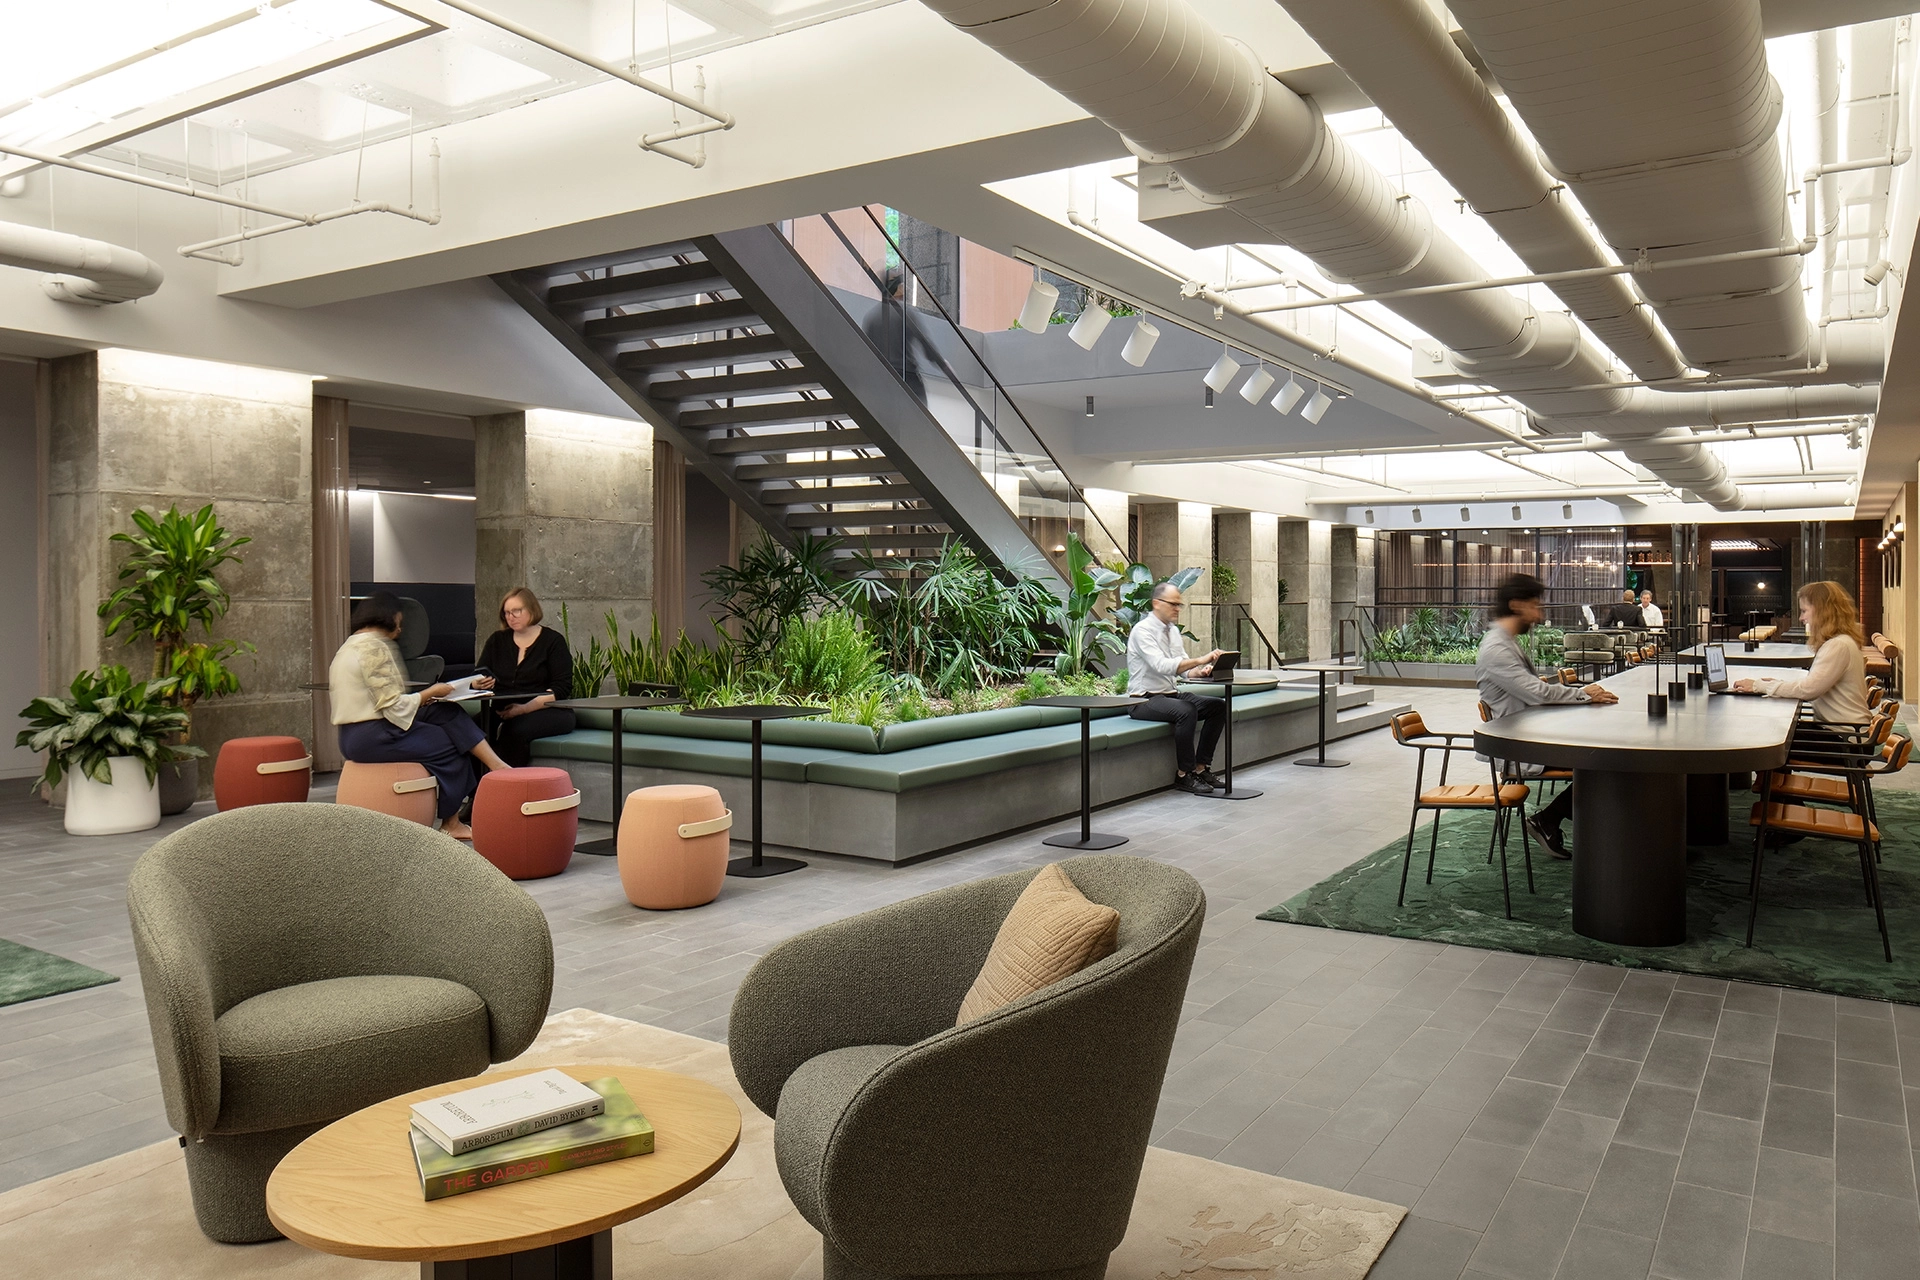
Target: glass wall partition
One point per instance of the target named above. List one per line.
(1452, 572)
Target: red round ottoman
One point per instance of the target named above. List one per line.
(525, 821)
(252, 771)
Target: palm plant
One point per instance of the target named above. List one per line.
(1087, 639)
(951, 621)
(770, 586)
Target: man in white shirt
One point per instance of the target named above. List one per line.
(1156, 657)
(1650, 614)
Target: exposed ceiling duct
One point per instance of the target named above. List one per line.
(91, 273)
(1181, 94)
(1662, 118)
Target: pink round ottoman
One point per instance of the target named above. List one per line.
(251, 771)
(673, 846)
(525, 821)
(405, 790)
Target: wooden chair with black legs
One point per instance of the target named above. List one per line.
(1502, 798)
(1836, 757)
(1562, 777)
(1806, 781)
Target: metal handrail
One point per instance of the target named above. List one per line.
(978, 359)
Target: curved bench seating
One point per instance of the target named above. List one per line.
(925, 786)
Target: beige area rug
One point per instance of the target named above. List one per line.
(1193, 1219)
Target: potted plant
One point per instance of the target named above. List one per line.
(168, 586)
(109, 736)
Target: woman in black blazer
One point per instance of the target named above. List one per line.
(524, 658)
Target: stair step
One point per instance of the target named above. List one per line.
(674, 322)
(779, 442)
(880, 518)
(727, 385)
(655, 285)
(767, 413)
(565, 271)
(838, 493)
(705, 355)
(815, 470)
(883, 547)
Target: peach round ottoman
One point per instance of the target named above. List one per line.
(405, 790)
(673, 846)
(525, 821)
(253, 771)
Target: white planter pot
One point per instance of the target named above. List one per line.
(131, 803)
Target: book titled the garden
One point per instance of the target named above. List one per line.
(619, 1132)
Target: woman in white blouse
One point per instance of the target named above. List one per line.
(1836, 685)
(381, 723)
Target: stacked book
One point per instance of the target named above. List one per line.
(527, 1127)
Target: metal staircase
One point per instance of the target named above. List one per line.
(730, 347)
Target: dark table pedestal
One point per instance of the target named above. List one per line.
(588, 1258)
(1706, 808)
(1630, 857)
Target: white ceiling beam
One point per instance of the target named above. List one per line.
(245, 84)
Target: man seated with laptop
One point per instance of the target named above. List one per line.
(1156, 658)
(1508, 683)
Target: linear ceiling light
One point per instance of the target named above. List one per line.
(1041, 300)
(1255, 388)
(1288, 395)
(1140, 343)
(1223, 372)
(1093, 322)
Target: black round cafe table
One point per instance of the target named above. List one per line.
(1631, 789)
(756, 866)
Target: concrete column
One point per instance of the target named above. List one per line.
(1175, 536)
(1250, 542)
(1306, 564)
(1344, 577)
(565, 507)
(130, 430)
(1366, 591)
(1106, 533)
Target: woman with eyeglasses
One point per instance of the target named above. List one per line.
(526, 658)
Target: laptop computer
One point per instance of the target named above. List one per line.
(1717, 681)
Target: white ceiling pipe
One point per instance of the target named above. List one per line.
(1662, 119)
(1588, 445)
(89, 272)
(1769, 496)
(1426, 86)
(1826, 92)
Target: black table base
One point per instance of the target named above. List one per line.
(1707, 808)
(603, 848)
(1088, 839)
(760, 865)
(1229, 791)
(588, 1258)
(1323, 764)
(1320, 760)
(1630, 857)
(1085, 844)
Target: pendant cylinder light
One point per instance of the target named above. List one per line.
(1223, 372)
(1140, 343)
(1317, 406)
(1255, 388)
(1092, 323)
(1288, 395)
(1041, 300)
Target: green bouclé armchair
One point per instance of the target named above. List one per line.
(1008, 1147)
(302, 961)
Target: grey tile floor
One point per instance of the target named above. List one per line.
(1541, 1118)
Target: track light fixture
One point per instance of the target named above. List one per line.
(1254, 389)
(1209, 400)
(1416, 515)
(1042, 298)
(1224, 370)
(1369, 515)
(1092, 323)
(1466, 513)
(1288, 395)
(1089, 406)
(1516, 510)
(1317, 406)
(1140, 343)
(1566, 511)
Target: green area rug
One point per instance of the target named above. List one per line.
(1816, 931)
(26, 974)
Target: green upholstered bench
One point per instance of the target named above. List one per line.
(917, 787)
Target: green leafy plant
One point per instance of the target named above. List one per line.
(828, 656)
(950, 622)
(590, 668)
(1226, 582)
(1087, 639)
(1135, 590)
(199, 670)
(769, 587)
(168, 583)
(106, 714)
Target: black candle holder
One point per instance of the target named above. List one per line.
(1696, 680)
(1676, 690)
(1657, 704)
(1753, 646)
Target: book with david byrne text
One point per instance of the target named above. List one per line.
(503, 1109)
(618, 1132)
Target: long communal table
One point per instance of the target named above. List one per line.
(1768, 653)
(1635, 779)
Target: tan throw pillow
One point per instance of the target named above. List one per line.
(1053, 932)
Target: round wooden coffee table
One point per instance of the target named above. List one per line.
(351, 1189)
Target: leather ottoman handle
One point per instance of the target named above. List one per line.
(414, 784)
(688, 830)
(554, 805)
(283, 766)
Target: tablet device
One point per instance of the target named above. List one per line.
(1716, 668)
(1224, 664)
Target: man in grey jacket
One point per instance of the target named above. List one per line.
(1508, 683)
